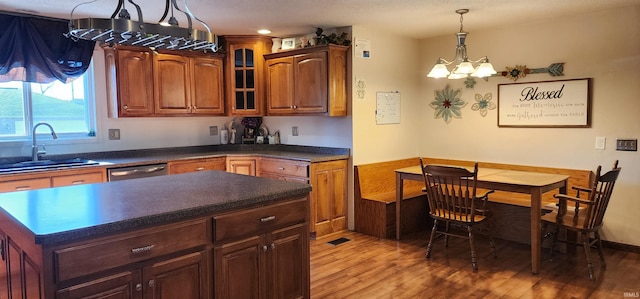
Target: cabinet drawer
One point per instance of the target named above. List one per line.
(197, 165)
(259, 220)
(107, 253)
(284, 167)
(28, 184)
(77, 179)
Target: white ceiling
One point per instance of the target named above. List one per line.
(412, 18)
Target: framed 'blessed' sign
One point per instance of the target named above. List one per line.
(565, 104)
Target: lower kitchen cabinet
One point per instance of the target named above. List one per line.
(242, 165)
(25, 184)
(329, 193)
(328, 197)
(185, 166)
(286, 170)
(54, 178)
(181, 277)
(271, 261)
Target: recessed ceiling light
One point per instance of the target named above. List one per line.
(264, 31)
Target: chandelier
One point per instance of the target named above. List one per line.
(123, 31)
(465, 67)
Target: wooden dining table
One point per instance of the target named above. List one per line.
(533, 183)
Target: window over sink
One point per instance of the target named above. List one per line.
(69, 108)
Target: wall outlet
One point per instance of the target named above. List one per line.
(294, 131)
(627, 145)
(114, 134)
(213, 130)
(600, 143)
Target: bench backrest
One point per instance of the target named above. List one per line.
(380, 178)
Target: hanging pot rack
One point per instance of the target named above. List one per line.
(124, 31)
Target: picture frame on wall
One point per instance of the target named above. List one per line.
(288, 43)
(546, 104)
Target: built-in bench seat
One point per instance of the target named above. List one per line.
(375, 182)
(375, 199)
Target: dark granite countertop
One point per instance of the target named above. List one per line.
(66, 213)
(162, 155)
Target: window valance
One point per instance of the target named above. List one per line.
(35, 49)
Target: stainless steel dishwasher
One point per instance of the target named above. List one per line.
(136, 172)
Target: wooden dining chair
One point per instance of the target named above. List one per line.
(583, 214)
(451, 193)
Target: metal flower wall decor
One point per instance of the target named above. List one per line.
(483, 104)
(448, 104)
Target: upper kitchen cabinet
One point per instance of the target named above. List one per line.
(142, 82)
(245, 74)
(309, 81)
(129, 81)
(188, 85)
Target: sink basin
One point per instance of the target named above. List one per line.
(44, 164)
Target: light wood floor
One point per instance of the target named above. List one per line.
(368, 267)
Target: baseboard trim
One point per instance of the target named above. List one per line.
(621, 246)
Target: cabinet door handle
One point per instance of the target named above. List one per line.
(273, 245)
(264, 248)
(22, 188)
(199, 168)
(280, 168)
(142, 249)
(2, 249)
(125, 107)
(139, 287)
(152, 283)
(78, 182)
(267, 219)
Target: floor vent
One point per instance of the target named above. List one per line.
(338, 241)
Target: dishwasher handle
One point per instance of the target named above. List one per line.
(149, 170)
(154, 169)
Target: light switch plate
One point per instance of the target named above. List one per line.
(213, 130)
(600, 143)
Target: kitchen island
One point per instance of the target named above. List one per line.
(195, 235)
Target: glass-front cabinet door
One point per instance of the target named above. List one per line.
(245, 74)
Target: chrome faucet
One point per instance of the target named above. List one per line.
(35, 149)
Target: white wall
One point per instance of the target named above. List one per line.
(604, 46)
(393, 66)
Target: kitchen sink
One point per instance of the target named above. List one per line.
(45, 164)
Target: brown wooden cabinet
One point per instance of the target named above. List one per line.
(245, 74)
(54, 178)
(271, 260)
(184, 166)
(129, 81)
(309, 81)
(329, 193)
(242, 165)
(328, 197)
(188, 85)
(141, 82)
(21, 184)
(286, 170)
